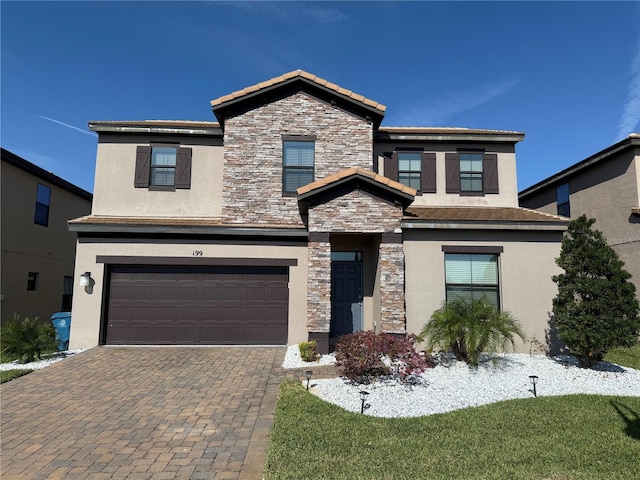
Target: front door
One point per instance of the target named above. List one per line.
(346, 296)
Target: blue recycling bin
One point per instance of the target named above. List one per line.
(62, 325)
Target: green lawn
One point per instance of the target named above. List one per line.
(628, 357)
(554, 438)
(7, 375)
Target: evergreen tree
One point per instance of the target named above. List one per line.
(596, 308)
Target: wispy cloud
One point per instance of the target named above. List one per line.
(450, 104)
(290, 10)
(630, 118)
(86, 132)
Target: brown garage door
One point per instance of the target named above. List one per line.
(206, 305)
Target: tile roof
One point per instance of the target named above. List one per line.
(356, 171)
(172, 222)
(446, 130)
(299, 74)
(481, 214)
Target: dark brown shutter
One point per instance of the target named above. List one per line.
(452, 165)
(391, 166)
(183, 168)
(428, 174)
(143, 161)
(490, 172)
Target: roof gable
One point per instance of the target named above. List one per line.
(291, 82)
(356, 177)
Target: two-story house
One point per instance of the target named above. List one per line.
(298, 216)
(38, 250)
(604, 186)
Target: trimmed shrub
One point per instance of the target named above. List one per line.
(470, 328)
(27, 339)
(596, 308)
(309, 351)
(362, 355)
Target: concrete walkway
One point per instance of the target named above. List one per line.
(143, 413)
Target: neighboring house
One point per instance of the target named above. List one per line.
(298, 216)
(604, 186)
(38, 250)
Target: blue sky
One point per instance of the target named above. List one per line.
(565, 73)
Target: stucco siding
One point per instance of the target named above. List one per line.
(28, 247)
(526, 266)
(115, 194)
(88, 302)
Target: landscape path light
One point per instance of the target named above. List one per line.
(534, 380)
(363, 398)
(308, 374)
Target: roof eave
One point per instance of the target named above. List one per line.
(162, 129)
(521, 225)
(631, 141)
(377, 114)
(94, 228)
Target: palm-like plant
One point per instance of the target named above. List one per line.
(27, 339)
(470, 328)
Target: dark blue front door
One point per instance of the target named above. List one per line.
(346, 297)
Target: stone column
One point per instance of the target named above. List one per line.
(319, 290)
(392, 306)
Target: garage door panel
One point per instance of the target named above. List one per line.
(197, 305)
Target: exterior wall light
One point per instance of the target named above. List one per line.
(308, 374)
(363, 398)
(534, 380)
(85, 279)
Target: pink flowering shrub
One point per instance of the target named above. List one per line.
(367, 354)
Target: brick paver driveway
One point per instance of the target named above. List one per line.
(142, 413)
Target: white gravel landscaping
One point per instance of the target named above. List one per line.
(37, 365)
(446, 388)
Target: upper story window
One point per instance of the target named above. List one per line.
(43, 202)
(298, 164)
(162, 167)
(471, 173)
(562, 200)
(415, 169)
(409, 167)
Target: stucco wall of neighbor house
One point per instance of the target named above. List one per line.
(526, 266)
(88, 302)
(27, 247)
(115, 194)
(507, 178)
(607, 192)
(253, 154)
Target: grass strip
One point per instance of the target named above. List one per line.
(627, 357)
(7, 375)
(568, 437)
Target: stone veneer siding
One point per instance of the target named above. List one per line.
(319, 286)
(253, 154)
(355, 212)
(392, 303)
